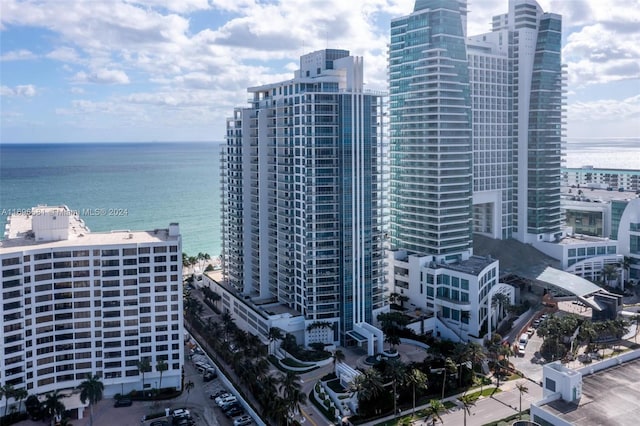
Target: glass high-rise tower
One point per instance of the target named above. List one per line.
(303, 196)
(430, 131)
(518, 111)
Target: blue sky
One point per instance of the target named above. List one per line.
(171, 70)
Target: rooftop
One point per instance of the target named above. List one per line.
(515, 257)
(568, 282)
(595, 195)
(609, 397)
(473, 265)
(59, 226)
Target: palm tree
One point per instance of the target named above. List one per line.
(610, 273)
(161, 366)
(144, 366)
(522, 389)
(503, 302)
(467, 402)
(91, 389)
(449, 368)
(338, 356)
(20, 395)
(289, 384)
(476, 355)
(294, 400)
(275, 334)
(227, 325)
(277, 410)
(53, 406)
(188, 386)
(434, 409)
(367, 385)
(396, 371)
(461, 355)
(9, 392)
(417, 379)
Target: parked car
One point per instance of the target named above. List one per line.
(242, 420)
(181, 413)
(221, 397)
(226, 400)
(218, 393)
(123, 402)
(234, 412)
(208, 376)
(230, 406)
(521, 349)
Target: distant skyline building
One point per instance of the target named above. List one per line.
(302, 186)
(75, 302)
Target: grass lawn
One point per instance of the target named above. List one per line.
(485, 392)
(509, 420)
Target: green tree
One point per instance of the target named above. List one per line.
(521, 389)
(610, 273)
(289, 383)
(467, 402)
(20, 395)
(161, 366)
(367, 385)
(448, 368)
(33, 406)
(396, 371)
(144, 366)
(274, 335)
(338, 356)
(434, 409)
(476, 354)
(417, 379)
(8, 392)
(53, 406)
(91, 390)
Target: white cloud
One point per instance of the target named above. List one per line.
(64, 54)
(77, 90)
(18, 55)
(200, 75)
(597, 54)
(102, 76)
(179, 6)
(606, 110)
(25, 91)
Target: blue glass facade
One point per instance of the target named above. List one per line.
(545, 130)
(430, 130)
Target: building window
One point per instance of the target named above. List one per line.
(550, 384)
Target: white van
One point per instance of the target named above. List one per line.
(524, 338)
(201, 367)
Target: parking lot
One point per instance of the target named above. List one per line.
(203, 410)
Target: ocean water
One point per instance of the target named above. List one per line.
(159, 183)
(611, 153)
(148, 185)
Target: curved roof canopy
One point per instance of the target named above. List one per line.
(568, 282)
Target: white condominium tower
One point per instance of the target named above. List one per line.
(76, 302)
(302, 196)
(517, 98)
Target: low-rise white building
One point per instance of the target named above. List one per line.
(75, 302)
(458, 294)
